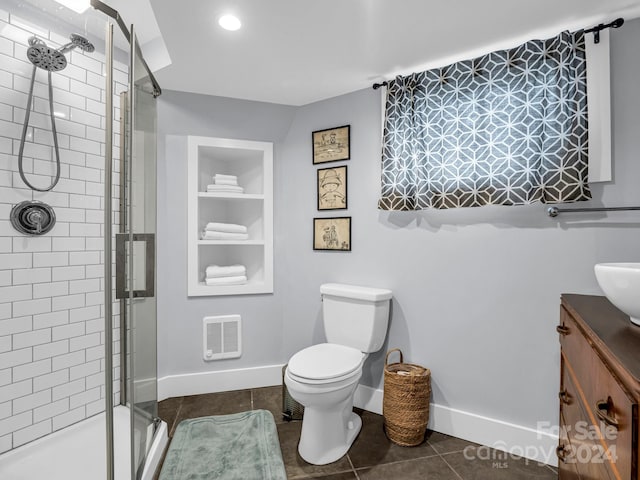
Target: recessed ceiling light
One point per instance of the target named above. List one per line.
(229, 22)
(78, 6)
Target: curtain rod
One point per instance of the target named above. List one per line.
(617, 23)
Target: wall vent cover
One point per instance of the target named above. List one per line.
(222, 337)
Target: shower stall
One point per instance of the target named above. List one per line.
(78, 386)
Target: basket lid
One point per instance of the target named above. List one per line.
(325, 361)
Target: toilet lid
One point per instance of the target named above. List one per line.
(325, 361)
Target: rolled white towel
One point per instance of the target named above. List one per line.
(209, 235)
(225, 227)
(215, 271)
(237, 280)
(212, 188)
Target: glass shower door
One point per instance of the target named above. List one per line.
(137, 243)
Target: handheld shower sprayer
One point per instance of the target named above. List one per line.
(50, 60)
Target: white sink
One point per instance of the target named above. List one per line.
(620, 282)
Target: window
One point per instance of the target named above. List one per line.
(599, 107)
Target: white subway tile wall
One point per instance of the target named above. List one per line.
(51, 298)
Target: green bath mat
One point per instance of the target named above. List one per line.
(241, 446)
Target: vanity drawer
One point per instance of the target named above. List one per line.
(567, 467)
(581, 453)
(607, 406)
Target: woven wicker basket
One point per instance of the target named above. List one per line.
(405, 405)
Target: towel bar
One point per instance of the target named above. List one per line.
(555, 211)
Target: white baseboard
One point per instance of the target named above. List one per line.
(220, 381)
(369, 399)
(145, 389)
(526, 442)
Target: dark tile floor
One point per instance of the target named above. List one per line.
(372, 455)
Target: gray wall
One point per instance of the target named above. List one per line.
(179, 317)
(476, 291)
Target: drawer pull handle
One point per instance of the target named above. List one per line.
(561, 453)
(565, 397)
(603, 407)
(562, 330)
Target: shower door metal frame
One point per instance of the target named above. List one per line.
(107, 10)
(108, 222)
(124, 373)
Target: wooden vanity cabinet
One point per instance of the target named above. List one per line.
(599, 391)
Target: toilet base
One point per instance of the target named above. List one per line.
(328, 437)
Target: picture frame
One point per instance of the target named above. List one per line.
(331, 145)
(333, 234)
(332, 188)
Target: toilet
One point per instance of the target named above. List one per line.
(323, 378)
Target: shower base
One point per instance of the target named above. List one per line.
(78, 452)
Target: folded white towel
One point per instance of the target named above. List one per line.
(237, 280)
(226, 182)
(214, 271)
(224, 188)
(209, 235)
(225, 227)
(220, 176)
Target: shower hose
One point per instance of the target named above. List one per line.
(24, 135)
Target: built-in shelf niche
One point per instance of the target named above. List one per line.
(252, 163)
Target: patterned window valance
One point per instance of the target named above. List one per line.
(509, 128)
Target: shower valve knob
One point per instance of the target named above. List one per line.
(35, 218)
(32, 217)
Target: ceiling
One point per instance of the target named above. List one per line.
(296, 52)
(300, 51)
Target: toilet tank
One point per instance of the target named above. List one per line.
(355, 316)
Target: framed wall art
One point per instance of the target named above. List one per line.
(331, 145)
(332, 188)
(332, 234)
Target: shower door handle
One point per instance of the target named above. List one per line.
(149, 241)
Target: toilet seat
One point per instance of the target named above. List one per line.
(325, 363)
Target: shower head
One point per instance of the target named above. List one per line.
(82, 43)
(44, 57)
(78, 41)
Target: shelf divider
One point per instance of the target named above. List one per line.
(235, 196)
(230, 242)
